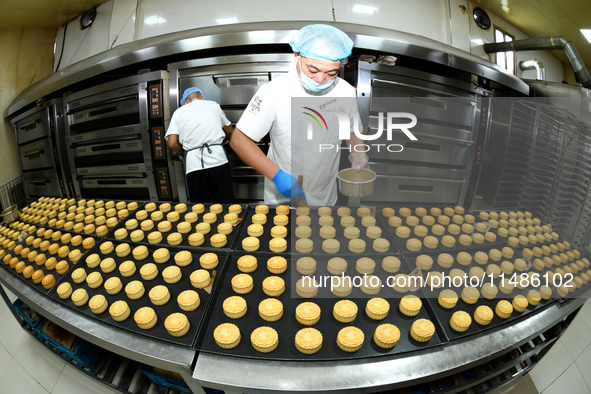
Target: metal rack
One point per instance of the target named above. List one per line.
(545, 159)
(516, 159)
(12, 193)
(570, 209)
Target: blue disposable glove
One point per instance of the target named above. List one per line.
(288, 186)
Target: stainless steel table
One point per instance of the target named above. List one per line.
(233, 374)
(240, 375)
(152, 352)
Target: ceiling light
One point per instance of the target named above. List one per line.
(153, 20)
(587, 34)
(477, 41)
(226, 21)
(364, 9)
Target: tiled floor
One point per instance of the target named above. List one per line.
(28, 367)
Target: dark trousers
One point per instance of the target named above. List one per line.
(211, 185)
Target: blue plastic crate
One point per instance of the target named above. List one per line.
(164, 381)
(24, 311)
(83, 353)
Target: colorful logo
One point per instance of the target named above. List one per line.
(315, 118)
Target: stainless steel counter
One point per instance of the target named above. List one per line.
(233, 374)
(240, 375)
(158, 354)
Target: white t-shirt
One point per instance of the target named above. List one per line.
(269, 111)
(197, 123)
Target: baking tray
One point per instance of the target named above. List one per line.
(476, 214)
(344, 242)
(266, 237)
(401, 242)
(140, 205)
(288, 326)
(444, 315)
(231, 238)
(158, 331)
(57, 276)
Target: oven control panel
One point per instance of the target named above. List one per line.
(163, 184)
(158, 143)
(155, 101)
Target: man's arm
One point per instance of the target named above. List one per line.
(252, 155)
(228, 130)
(173, 143)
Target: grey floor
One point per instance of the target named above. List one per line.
(28, 367)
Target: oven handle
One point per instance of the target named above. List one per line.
(39, 182)
(114, 100)
(421, 178)
(467, 142)
(36, 121)
(143, 175)
(216, 78)
(34, 152)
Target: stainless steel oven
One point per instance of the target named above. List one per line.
(231, 81)
(115, 132)
(42, 149)
(443, 164)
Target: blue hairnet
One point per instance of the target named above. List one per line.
(188, 92)
(322, 42)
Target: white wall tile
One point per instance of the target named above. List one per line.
(44, 366)
(11, 333)
(438, 20)
(571, 381)
(122, 26)
(16, 380)
(551, 366)
(157, 18)
(577, 337)
(71, 381)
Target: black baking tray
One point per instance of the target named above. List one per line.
(401, 242)
(266, 237)
(231, 238)
(288, 326)
(57, 276)
(140, 205)
(158, 331)
(444, 315)
(476, 214)
(344, 242)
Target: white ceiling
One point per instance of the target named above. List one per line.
(536, 18)
(544, 18)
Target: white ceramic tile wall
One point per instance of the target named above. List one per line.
(122, 27)
(445, 22)
(81, 44)
(156, 19)
(459, 24)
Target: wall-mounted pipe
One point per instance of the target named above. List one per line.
(534, 64)
(546, 44)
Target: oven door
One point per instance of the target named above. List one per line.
(403, 183)
(33, 127)
(127, 151)
(42, 183)
(37, 155)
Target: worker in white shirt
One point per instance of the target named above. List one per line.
(197, 131)
(319, 52)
